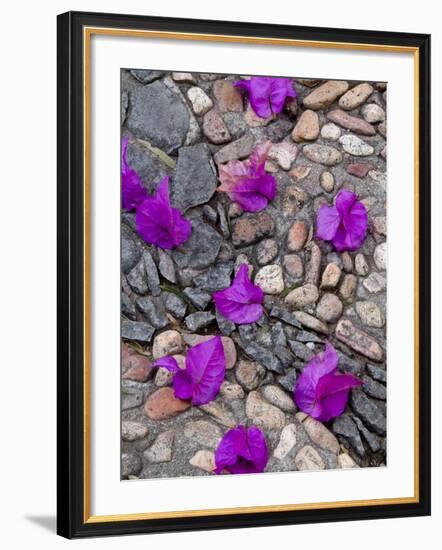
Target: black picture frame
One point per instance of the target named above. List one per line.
(72, 522)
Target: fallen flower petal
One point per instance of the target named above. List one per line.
(242, 301)
(344, 224)
(322, 392)
(247, 182)
(132, 190)
(159, 223)
(267, 95)
(242, 451)
(203, 374)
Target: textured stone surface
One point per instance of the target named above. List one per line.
(157, 115)
(162, 404)
(325, 95)
(358, 340)
(323, 154)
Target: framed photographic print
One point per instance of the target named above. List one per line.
(243, 274)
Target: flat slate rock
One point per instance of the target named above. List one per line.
(194, 181)
(148, 165)
(136, 330)
(201, 249)
(157, 115)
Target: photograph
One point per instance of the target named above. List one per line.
(253, 274)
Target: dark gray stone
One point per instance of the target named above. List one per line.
(278, 335)
(201, 249)
(145, 76)
(279, 129)
(346, 364)
(301, 350)
(344, 426)
(166, 266)
(239, 149)
(153, 309)
(136, 330)
(377, 373)
(305, 336)
(152, 277)
(174, 305)
(149, 166)
(247, 333)
(130, 253)
(210, 213)
(223, 225)
(368, 411)
(130, 400)
(128, 307)
(194, 181)
(216, 278)
(288, 381)
(123, 106)
(199, 298)
(373, 440)
(264, 357)
(285, 316)
(158, 115)
(225, 326)
(137, 278)
(199, 320)
(130, 464)
(373, 388)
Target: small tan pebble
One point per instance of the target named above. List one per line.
(204, 460)
(327, 181)
(330, 276)
(346, 461)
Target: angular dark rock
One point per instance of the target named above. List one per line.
(264, 357)
(152, 277)
(157, 115)
(136, 330)
(145, 76)
(154, 311)
(377, 373)
(301, 350)
(201, 249)
(137, 278)
(373, 388)
(285, 316)
(199, 298)
(344, 425)
(288, 381)
(174, 305)
(368, 411)
(149, 166)
(194, 181)
(217, 277)
(199, 320)
(130, 253)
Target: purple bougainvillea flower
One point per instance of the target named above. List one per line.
(132, 190)
(242, 301)
(203, 374)
(247, 182)
(321, 391)
(344, 224)
(159, 223)
(267, 95)
(242, 451)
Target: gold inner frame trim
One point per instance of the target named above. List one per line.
(88, 32)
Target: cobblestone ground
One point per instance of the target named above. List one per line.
(333, 136)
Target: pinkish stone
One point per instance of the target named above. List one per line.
(135, 366)
(227, 96)
(297, 236)
(354, 123)
(359, 169)
(162, 404)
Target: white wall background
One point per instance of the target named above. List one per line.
(28, 239)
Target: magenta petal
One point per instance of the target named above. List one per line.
(247, 183)
(254, 194)
(167, 362)
(242, 301)
(281, 89)
(159, 223)
(344, 224)
(132, 190)
(327, 222)
(242, 451)
(182, 385)
(206, 368)
(332, 393)
(305, 391)
(267, 95)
